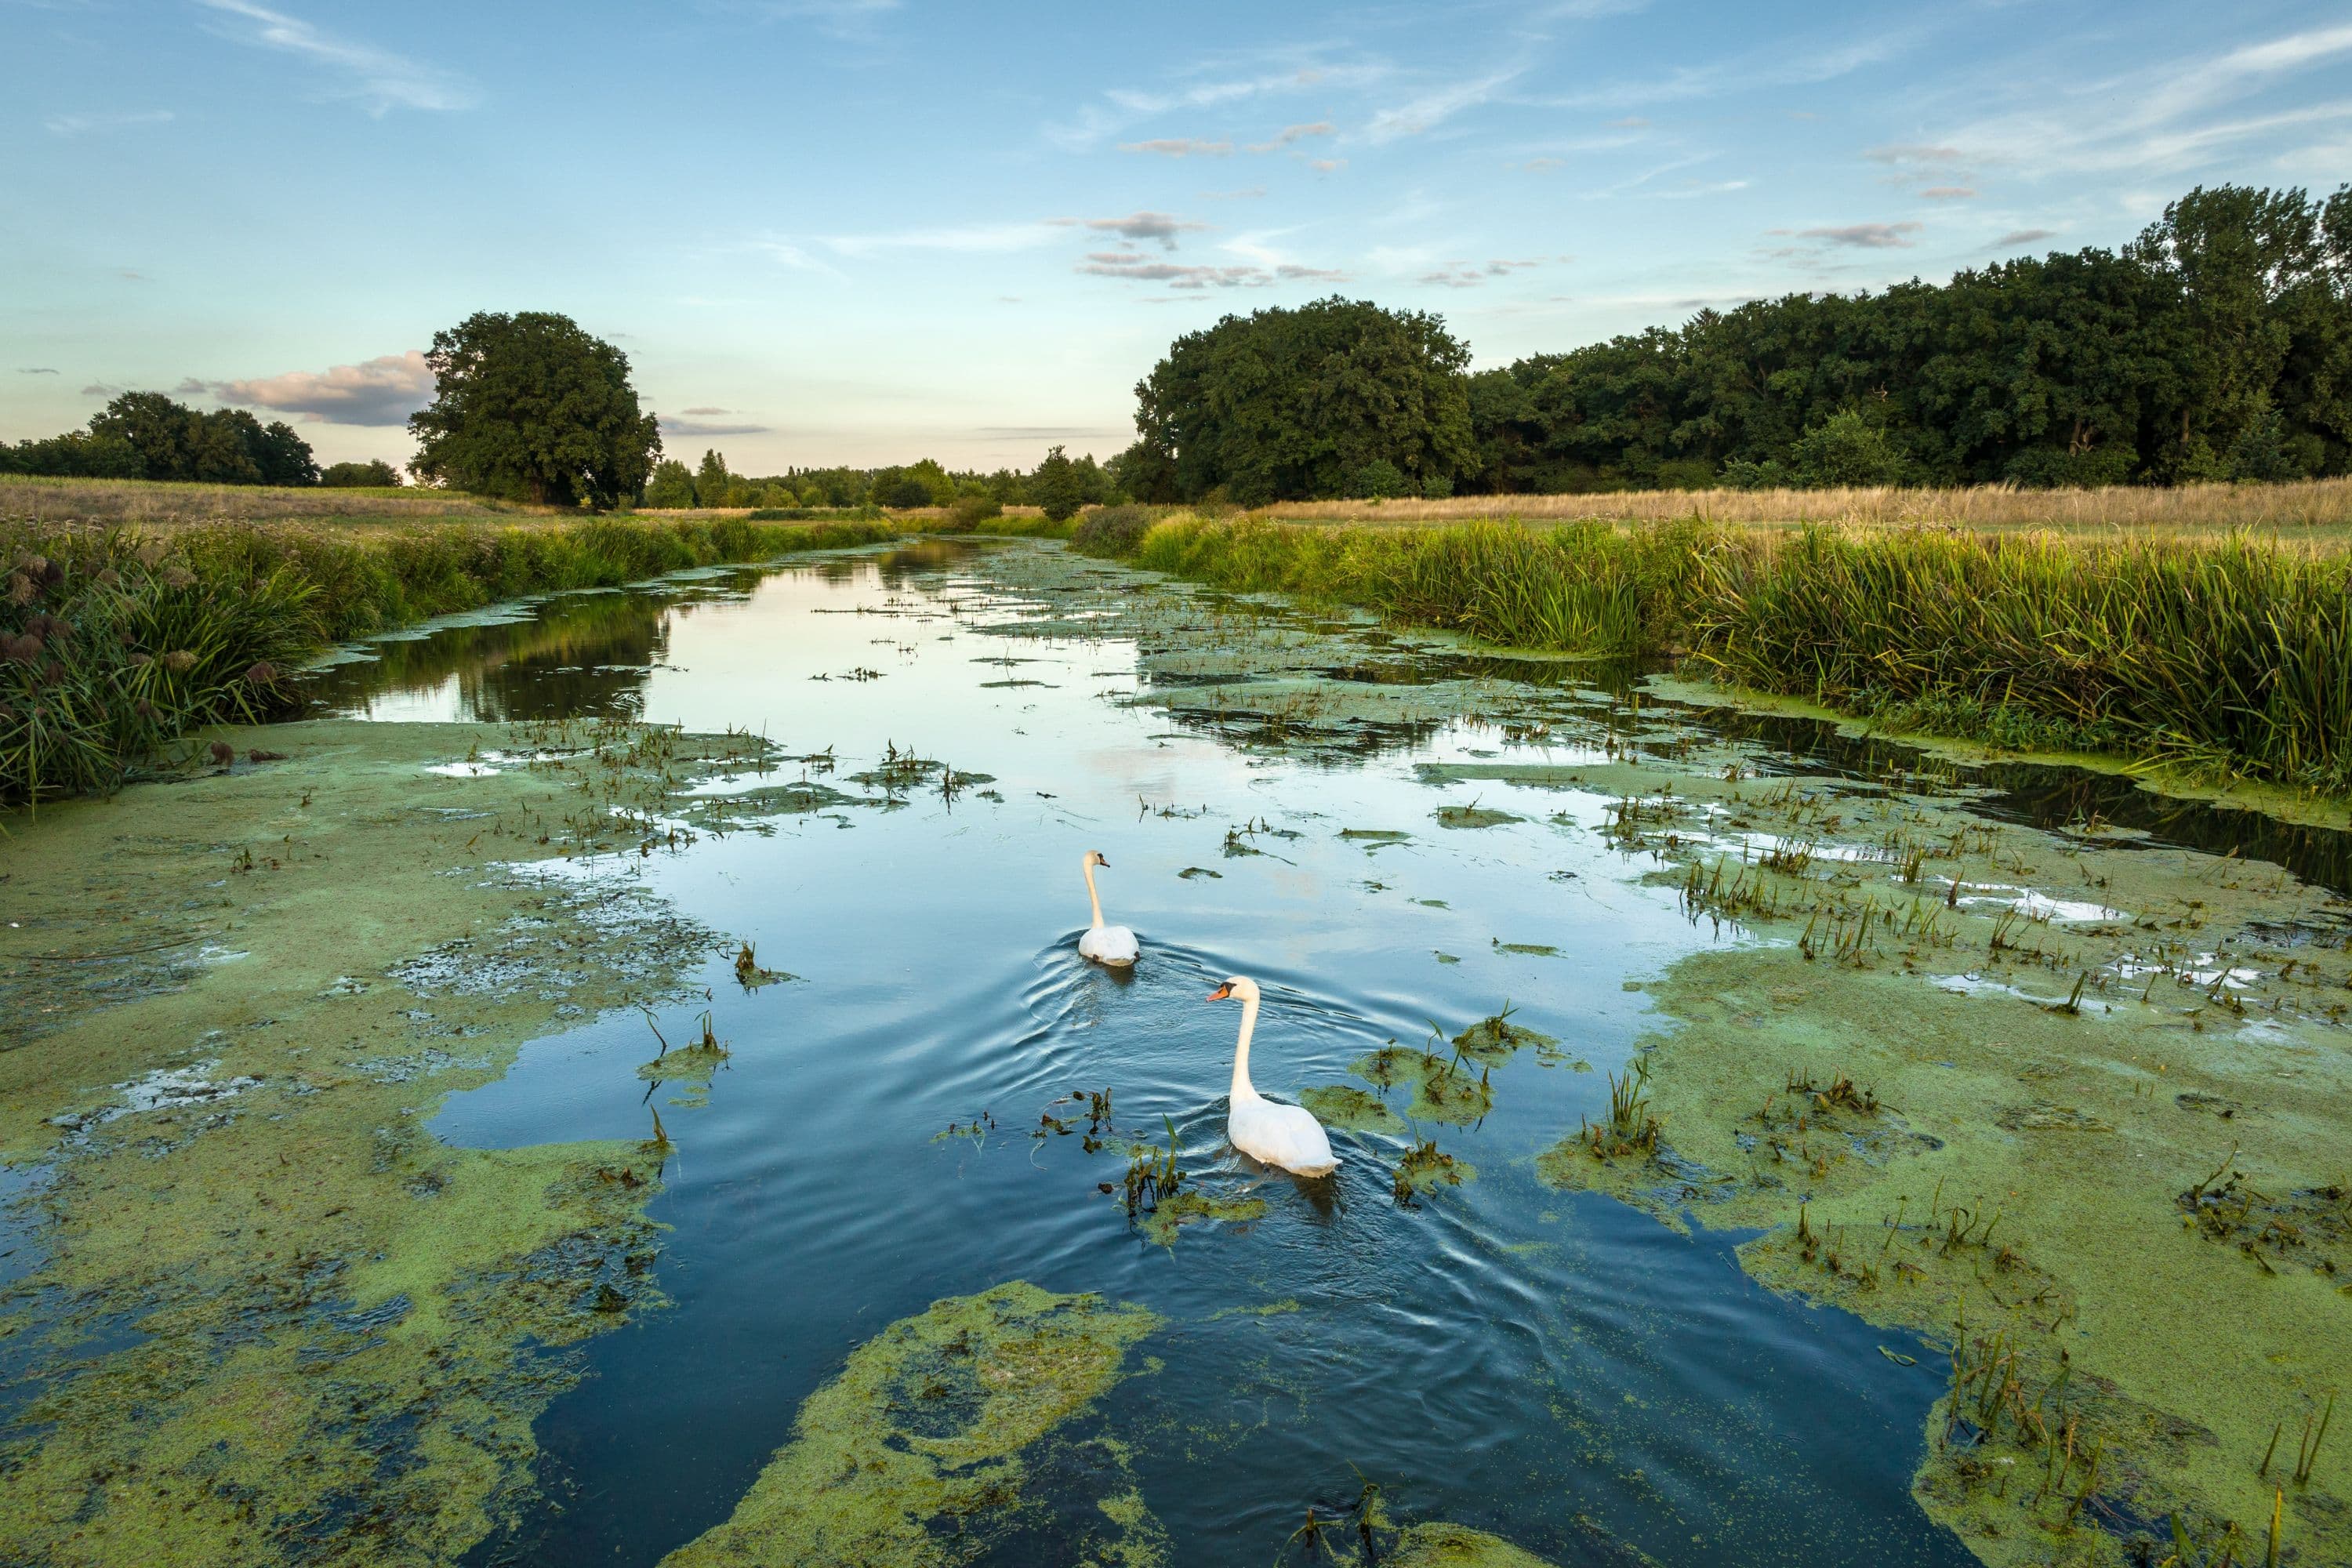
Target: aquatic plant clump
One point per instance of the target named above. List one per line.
(915, 1453)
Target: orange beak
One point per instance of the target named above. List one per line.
(1221, 992)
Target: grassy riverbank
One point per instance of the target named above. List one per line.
(2233, 655)
(115, 641)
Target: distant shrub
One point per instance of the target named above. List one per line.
(905, 493)
(1376, 480)
(1437, 487)
(373, 473)
(1112, 530)
(971, 510)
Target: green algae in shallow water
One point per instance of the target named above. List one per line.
(268, 1431)
(1191, 1207)
(1457, 1546)
(915, 1454)
(1473, 815)
(1351, 1109)
(1527, 949)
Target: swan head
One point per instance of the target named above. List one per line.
(1246, 990)
(1095, 858)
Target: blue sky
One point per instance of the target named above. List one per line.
(871, 230)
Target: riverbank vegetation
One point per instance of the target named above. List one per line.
(115, 643)
(2231, 655)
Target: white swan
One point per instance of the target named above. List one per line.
(1277, 1134)
(1113, 946)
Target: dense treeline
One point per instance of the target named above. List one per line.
(1081, 482)
(2218, 345)
(147, 436)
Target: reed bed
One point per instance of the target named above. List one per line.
(117, 641)
(2317, 510)
(2233, 655)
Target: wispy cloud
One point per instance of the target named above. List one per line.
(1799, 64)
(2023, 237)
(671, 427)
(381, 390)
(1120, 108)
(2168, 118)
(377, 78)
(842, 18)
(90, 124)
(1433, 108)
(36, 369)
(1949, 193)
(1179, 147)
(969, 239)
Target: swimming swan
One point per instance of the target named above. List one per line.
(1113, 946)
(1284, 1135)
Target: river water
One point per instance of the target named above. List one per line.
(1553, 1367)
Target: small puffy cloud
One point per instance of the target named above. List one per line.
(1290, 134)
(1179, 147)
(1470, 275)
(1329, 165)
(1161, 226)
(91, 124)
(1862, 236)
(2025, 236)
(100, 389)
(384, 391)
(1950, 194)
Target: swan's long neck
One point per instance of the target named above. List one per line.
(1089, 868)
(1243, 1089)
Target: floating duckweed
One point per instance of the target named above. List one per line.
(1457, 1546)
(1351, 1109)
(1190, 1207)
(914, 1454)
(1473, 815)
(1263, 1309)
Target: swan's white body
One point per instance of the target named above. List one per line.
(1111, 946)
(1266, 1130)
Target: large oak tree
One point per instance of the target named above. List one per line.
(529, 406)
(1289, 403)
